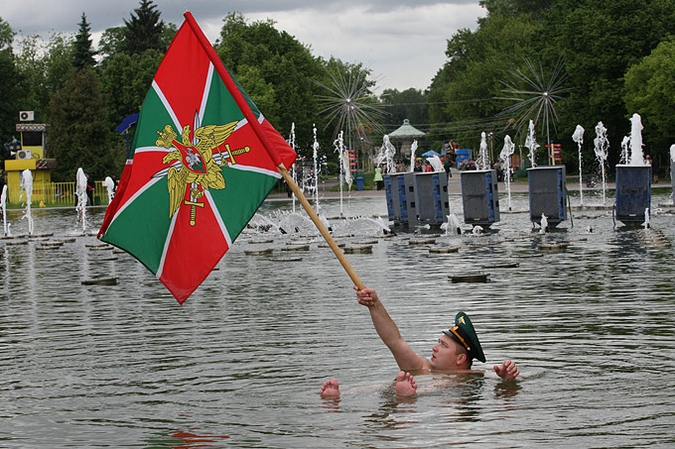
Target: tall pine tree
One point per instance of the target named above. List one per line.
(83, 53)
(144, 30)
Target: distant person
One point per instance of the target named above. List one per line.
(453, 354)
(91, 186)
(379, 180)
(655, 169)
(447, 166)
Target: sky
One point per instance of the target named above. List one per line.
(402, 42)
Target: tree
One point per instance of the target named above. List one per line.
(515, 8)
(126, 81)
(79, 135)
(10, 88)
(83, 53)
(277, 72)
(464, 95)
(144, 31)
(650, 92)
(409, 104)
(600, 40)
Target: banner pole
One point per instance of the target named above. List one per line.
(321, 227)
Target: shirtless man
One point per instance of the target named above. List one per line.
(454, 352)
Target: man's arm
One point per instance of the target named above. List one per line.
(387, 329)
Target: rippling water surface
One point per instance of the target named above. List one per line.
(240, 364)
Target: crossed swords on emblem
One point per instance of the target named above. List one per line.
(228, 154)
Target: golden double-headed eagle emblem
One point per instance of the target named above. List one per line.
(195, 163)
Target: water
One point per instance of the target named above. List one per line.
(240, 364)
(505, 155)
(531, 144)
(578, 137)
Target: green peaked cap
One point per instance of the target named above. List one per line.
(464, 334)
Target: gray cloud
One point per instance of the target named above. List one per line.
(403, 42)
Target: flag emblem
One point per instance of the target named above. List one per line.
(195, 163)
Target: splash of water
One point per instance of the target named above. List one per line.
(436, 163)
(3, 203)
(601, 149)
(81, 192)
(578, 137)
(27, 187)
(531, 144)
(452, 225)
(636, 155)
(544, 224)
(646, 223)
(483, 156)
(505, 155)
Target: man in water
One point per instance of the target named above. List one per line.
(454, 352)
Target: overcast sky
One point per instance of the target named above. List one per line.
(403, 42)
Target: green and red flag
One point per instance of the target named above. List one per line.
(204, 160)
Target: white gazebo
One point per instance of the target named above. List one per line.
(404, 136)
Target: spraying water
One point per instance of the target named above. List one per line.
(578, 137)
(483, 156)
(27, 186)
(505, 155)
(625, 144)
(636, 155)
(531, 144)
(294, 175)
(3, 202)
(345, 172)
(413, 149)
(601, 149)
(672, 162)
(386, 155)
(110, 187)
(81, 192)
(317, 169)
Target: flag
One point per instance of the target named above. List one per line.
(204, 160)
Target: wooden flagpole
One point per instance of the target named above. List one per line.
(320, 226)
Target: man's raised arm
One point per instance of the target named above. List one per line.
(387, 329)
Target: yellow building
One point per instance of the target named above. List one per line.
(31, 157)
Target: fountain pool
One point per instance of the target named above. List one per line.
(240, 364)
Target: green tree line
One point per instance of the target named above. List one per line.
(607, 59)
(560, 63)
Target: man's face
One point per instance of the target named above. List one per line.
(445, 354)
